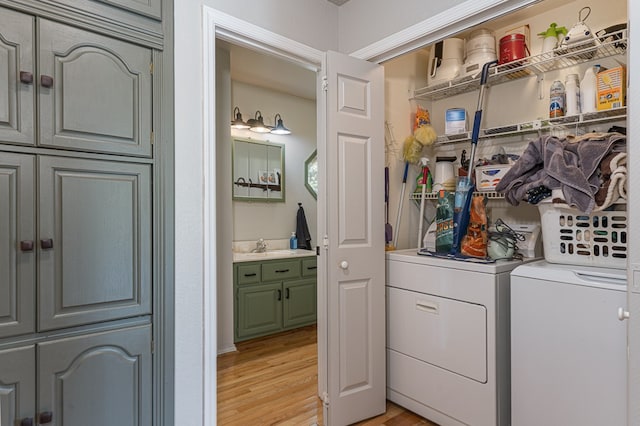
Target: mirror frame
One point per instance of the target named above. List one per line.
(311, 164)
(240, 182)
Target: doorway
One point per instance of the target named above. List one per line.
(260, 83)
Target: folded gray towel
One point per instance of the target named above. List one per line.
(559, 164)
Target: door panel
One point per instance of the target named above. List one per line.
(354, 207)
(100, 97)
(98, 216)
(300, 306)
(17, 99)
(259, 310)
(102, 379)
(17, 385)
(17, 262)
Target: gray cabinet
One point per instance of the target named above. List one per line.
(274, 295)
(76, 220)
(93, 244)
(17, 386)
(94, 93)
(95, 217)
(100, 379)
(17, 70)
(17, 246)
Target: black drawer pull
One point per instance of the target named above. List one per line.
(250, 275)
(309, 268)
(280, 271)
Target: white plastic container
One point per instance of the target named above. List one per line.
(487, 177)
(588, 88)
(572, 94)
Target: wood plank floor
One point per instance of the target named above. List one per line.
(274, 381)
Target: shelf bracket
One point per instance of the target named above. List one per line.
(540, 81)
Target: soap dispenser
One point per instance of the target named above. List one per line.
(293, 241)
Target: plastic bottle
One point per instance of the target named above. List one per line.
(556, 99)
(551, 35)
(293, 241)
(572, 94)
(588, 90)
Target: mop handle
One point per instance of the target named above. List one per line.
(425, 174)
(404, 184)
(477, 119)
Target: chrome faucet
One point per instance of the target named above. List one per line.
(261, 246)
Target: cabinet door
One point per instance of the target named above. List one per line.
(17, 232)
(17, 94)
(98, 97)
(95, 217)
(102, 379)
(259, 310)
(17, 385)
(300, 304)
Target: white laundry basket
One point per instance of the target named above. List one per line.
(575, 238)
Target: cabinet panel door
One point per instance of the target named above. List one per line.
(100, 96)
(17, 385)
(300, 304)
(259, 310)
(102, 379)
(97, 215)
(17, 98)
(17, 229)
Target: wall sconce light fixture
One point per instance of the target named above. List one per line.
(257, 124)
(237, 122)
(280, 129)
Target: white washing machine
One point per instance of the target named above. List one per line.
(568, 347)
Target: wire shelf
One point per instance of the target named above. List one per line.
(589, 50)
(491, 195)
(538, 125)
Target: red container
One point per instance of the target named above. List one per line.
(512, 48)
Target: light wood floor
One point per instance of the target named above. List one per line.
(274, 381)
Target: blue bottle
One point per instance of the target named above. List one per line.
(293, 241)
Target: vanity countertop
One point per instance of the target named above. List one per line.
(271, 254)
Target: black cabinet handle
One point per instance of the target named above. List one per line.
(26, 245)
(45, 417)
(286, 293)
(279, 294)
(280, 271)
(46, 81)
(27, 421)
(309, 268)
(26, 77)
(46, 243)
(250, 275)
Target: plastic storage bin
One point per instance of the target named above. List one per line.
(575, 238)
(487, 177)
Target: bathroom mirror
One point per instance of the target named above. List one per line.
(311, 174)
(258, 171)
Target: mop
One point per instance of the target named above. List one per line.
(465, 186)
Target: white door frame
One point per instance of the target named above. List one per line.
(229, 28)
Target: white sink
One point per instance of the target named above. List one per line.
(271, 254)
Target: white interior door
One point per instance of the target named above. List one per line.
(352, 221)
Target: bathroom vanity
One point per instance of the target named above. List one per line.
(273, 291)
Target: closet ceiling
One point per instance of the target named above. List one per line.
(338, 2)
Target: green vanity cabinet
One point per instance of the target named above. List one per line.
(273, 295)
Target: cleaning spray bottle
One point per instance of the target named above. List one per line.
(551, 37)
